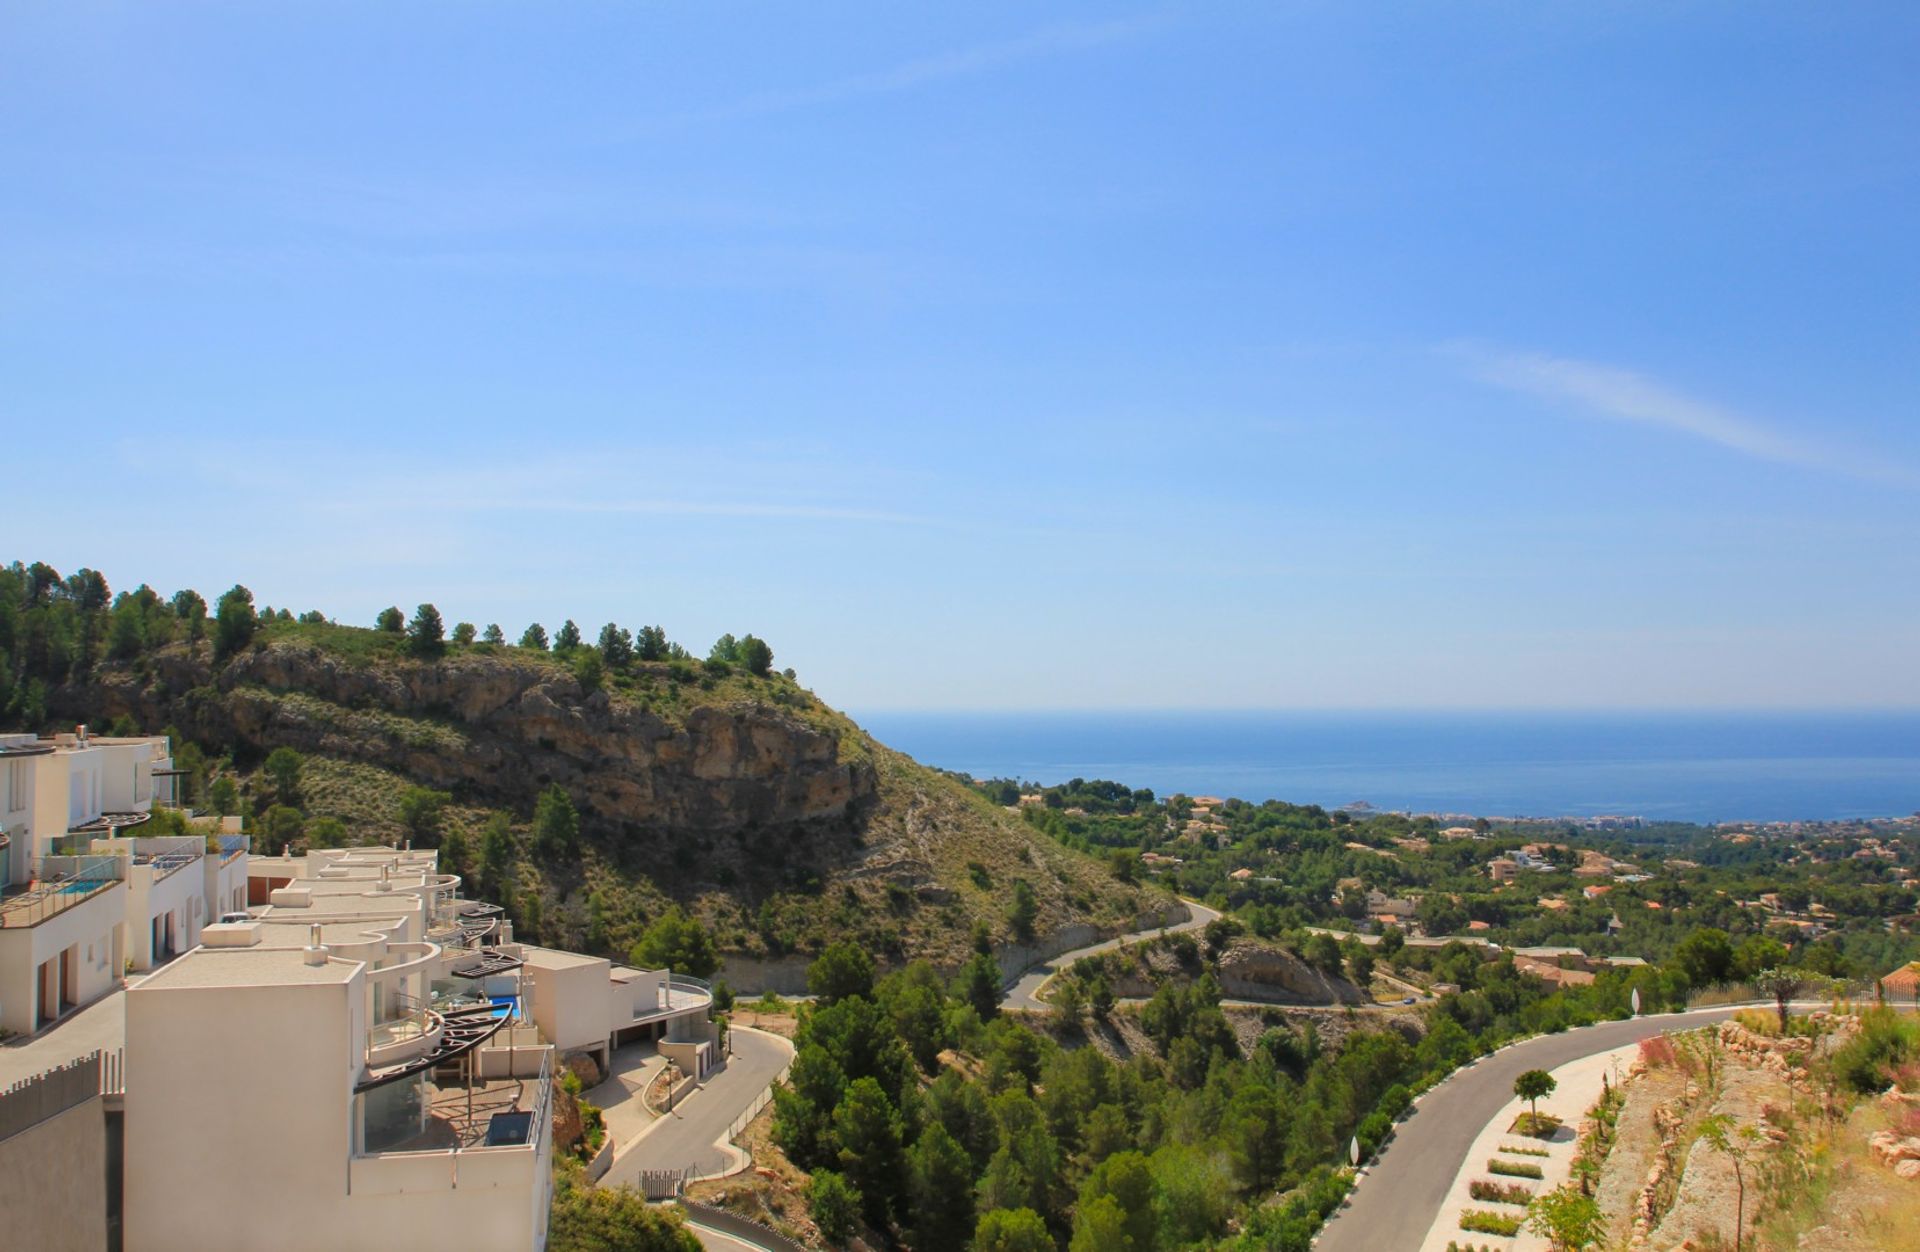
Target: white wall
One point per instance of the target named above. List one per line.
(568, 998)
(96, 922)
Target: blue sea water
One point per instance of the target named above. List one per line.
(1660, 766)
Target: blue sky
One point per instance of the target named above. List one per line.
(997, 356)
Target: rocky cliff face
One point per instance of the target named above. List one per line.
(771, 817)
(496, 730)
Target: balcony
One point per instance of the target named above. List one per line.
(167, 857)
(61, 883)
(443, 1036)
(681, 993)
(428, 1118)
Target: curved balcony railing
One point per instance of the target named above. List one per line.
(408, 1030)
(417, 957)
(460, 1031)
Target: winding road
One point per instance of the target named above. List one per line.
(1400, 1195)
(691, 1135)
(1024, 992)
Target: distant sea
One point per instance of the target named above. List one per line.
(1659, 766)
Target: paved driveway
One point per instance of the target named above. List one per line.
(101, 1026)
(690, 1134)
(1397, 1202)
(1022, 994)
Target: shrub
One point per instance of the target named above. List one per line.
(1480, 1221)
(1514, 1169)
(1510, 1150)
(1657, 1052)
(1500, 1193)
(1885, 1041)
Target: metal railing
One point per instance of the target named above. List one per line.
(65, 882)
(760, 1102)
(168, 856)
(542, 1100)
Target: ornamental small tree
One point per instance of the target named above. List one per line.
(1718, 1130)
(1567, 1219)
(1531, 1086)
(1781, 986)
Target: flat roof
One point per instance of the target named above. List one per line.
(291, 934)
(553, 958)
(247, 967)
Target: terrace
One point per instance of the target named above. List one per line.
(680, 993)
(430, 1115)
(60, 883)
(167, 857)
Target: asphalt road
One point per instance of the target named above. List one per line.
(690, 1134)
(1396, 1203)
(713, 1241)
(1022, 994)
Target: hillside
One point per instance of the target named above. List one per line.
(771, 816)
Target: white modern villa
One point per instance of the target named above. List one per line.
(400, 1042)
(82, 898)
(338, 1030)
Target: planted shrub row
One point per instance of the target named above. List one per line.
(1482, 1222)
(1503, 1193)
(1514, 1169)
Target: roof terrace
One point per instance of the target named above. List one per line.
(60, 883)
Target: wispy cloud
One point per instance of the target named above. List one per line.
(909, 75)
(1622, 395)
(695, 508)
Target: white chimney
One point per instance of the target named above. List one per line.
(315, 953)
